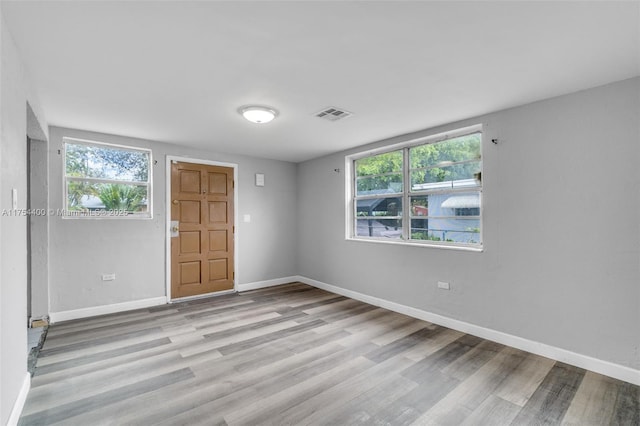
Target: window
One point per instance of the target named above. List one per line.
(104, 180)
(425, 191)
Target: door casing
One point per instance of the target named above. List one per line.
(170, 159)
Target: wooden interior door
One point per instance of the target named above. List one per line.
(202, 248)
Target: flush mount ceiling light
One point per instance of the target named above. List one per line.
(258, 114)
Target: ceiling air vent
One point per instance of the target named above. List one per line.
(333, 114)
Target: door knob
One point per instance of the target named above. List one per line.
(175, 201)
(174, 228)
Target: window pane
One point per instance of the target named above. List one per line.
(79, 194)
(451, 217)
(379, 217)
(379, 185)
(453, 176)
(447, 164)
(463, 148)
(83, 196)
(388, 162)
(380, 228)
(106, 163)
(379, 207)
(454, 204)
(449, 230)
(419, 206)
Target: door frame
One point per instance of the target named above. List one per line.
(167, 233)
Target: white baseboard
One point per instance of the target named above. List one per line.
(106, 309)
(606, 368)
(268, 283)
(16, 411)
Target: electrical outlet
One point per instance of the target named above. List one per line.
(108, 277)
(443, 285)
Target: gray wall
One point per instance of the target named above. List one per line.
(568, 166)
(15, 92)
(134, 249)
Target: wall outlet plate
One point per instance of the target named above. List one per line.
(443, 285)
(108, 277)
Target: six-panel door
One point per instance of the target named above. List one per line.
(202, 253)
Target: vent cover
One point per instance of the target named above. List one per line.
(333, 114)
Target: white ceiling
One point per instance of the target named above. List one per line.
(177, 71)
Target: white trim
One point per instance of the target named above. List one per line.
(101, 144)
(606, 368)
(106, 309)
(16, 411)
(167, 244)
(407, 141)
(267, 283)
(435, 244)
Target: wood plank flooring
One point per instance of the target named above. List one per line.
(296, 355)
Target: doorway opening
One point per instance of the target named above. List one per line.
(37, 237)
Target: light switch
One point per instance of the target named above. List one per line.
(247, 218)
(259, 179)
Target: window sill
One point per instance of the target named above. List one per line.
(422, 245)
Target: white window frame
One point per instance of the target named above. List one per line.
(98, 215)
(350, 192)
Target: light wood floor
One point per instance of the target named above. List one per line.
(295, 355)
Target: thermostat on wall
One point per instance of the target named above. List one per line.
(259, 179)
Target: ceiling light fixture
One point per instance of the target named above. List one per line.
(258, 114)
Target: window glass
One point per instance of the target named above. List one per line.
(379, 174)
(454, 162)
(444, 194)
(106, 181)
(449, 217)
